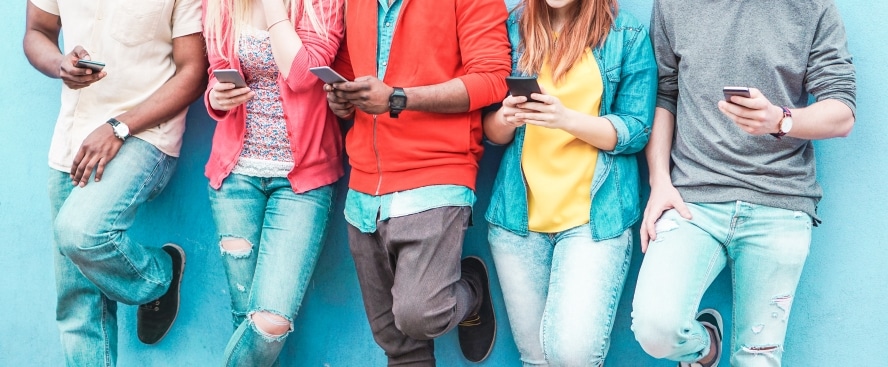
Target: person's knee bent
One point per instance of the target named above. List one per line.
(271, 325)
(76, 232)
(415, 319)
(657, 334)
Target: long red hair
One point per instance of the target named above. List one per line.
(587, 26)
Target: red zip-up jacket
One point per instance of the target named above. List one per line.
(313, 130)
(434, 41)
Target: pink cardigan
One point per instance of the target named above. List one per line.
(313, 130)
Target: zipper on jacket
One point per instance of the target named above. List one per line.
(378, 162)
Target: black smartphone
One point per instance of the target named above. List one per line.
(230, 76)
(96, 66)
(327, 74)
(735, 91)
(523, 86)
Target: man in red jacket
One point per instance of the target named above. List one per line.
(424, 71)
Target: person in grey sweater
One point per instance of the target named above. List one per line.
(733, 180)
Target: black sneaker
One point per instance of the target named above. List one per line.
(477, 332)
(155, 318)
(712, 320)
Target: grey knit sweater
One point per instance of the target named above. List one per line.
(785, 48)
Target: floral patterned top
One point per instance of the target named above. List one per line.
(266, 151)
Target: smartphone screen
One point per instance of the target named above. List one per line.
(230, 76)
(523, 86)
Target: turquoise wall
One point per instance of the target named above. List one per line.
(838, 318)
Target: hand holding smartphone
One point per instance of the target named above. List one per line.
(735, 91)
(95, 66)
(327, 74)
(230, 76)
(523, 86)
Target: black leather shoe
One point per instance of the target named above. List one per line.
(477, 332)
(155, 318)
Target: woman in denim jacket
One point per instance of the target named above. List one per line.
(566, 194)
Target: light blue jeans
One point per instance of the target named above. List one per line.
(766, 249)
(96, 263)
(561, 292)
(285, 231)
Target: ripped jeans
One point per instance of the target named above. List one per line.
(285, 232)
(766, 249)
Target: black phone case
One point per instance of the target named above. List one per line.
(523, 86)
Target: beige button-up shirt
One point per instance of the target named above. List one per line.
(134, 38)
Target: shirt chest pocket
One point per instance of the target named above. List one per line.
(136, 22)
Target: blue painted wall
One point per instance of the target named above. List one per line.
(838, 318)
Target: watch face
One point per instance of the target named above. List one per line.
(398, 102)
(122, 130)
(786, 124)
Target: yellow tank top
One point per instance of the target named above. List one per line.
(558, 167)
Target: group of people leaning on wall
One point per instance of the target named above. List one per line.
(732, 172)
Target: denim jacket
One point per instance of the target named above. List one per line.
(629, 75)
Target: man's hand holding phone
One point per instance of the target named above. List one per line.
(752, 112)
(367, 93)
(78, 77)
(226, 95)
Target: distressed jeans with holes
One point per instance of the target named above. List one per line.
(561, 292)
(286, 232)
(765, 248)
(96, 263)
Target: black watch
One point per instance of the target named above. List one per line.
(397, 102)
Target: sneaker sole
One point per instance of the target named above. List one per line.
(492, 309)
(179, 284)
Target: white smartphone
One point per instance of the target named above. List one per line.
(327, 74)
(230, 76)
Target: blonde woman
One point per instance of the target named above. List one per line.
(566, 194)
(275, 155)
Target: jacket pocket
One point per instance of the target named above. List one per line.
(136, 22)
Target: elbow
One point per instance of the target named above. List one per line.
(845, 127)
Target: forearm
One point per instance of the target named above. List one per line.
(448, 97)
(178, 92)
(496, 130)
(594, 130)
(659, 148)
(173, 97)
(285, 42)
(42, 53)
(822, 120)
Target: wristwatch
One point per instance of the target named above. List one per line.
(397, 102)
(785, 124)
(121, 131)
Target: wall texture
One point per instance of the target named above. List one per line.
(838, 319)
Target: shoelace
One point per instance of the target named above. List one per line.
(471, 321)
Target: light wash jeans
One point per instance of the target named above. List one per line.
(766, 248)
(286, 232)
(96, 263)
(561, 292)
